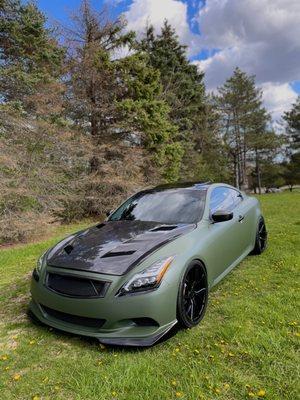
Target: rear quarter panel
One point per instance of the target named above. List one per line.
(254, 212)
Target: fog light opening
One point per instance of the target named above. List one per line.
(145, 321)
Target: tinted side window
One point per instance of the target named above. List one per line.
(237, 197)
(221, 199)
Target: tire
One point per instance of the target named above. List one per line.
(261, 238)
(192, 295)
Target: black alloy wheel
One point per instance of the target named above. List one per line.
(193, 295)
(261, 239)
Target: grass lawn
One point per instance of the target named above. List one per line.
(246, 346)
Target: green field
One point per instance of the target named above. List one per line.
(246, 346)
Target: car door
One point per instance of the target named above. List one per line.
(246, 213)
(226, 245)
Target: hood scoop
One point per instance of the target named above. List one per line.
(68, 249)
(164, 228)
(118, 253)
(115, 247)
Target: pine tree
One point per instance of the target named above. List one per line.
(30, 57)
(119, 98)
(243, 122)
(144, 112)
(94, 84)
(264, 145)
(292, 167)
(292, 121)
(183, 86)
(184, 92)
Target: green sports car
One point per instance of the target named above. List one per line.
(149, 266)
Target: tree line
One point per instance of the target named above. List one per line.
(92, 111)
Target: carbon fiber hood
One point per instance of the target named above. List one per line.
(113, 247)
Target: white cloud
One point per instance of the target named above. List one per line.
(278, 98)
(155, 12)
(259, 36)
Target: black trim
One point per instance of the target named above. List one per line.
(164, 228)
(136, 342)
(73, 319)
(35, 275)
(118, 253)
(145, 321)
(68, 249)
(98, 288)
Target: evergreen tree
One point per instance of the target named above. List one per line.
(144, 112)
(183, 86)
(94, 85)
(292, 170)
(184, 92)
(30, 57)
(292, 120)
(264, 145)
(119, 98)
(292, 167)
(272, 174)
(243, 122)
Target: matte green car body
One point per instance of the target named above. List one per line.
(219, 246)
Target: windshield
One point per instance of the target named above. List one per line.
(172, 206)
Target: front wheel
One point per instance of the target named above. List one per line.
(261, 238)
(192, 295)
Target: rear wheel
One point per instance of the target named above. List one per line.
(192, 296)
(261, 238)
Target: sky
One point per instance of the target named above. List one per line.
(259, 36)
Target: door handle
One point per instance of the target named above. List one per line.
(241, 217)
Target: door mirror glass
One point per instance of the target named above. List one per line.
(222, 215)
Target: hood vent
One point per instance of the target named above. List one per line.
(99, 226)
(164, 228)
(118, 253)
(68, 249)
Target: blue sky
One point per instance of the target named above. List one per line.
(261, 37)
(60, 9)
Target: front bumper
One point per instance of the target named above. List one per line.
(119, 314)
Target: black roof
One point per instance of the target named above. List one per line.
(183, 185)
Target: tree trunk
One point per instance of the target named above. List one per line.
(236, 175)
(94, 125)
(258, 171)
(245, 178)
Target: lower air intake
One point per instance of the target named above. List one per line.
(74, 319)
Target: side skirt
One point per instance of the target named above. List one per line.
(234, 264)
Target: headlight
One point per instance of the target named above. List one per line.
(147, 279)
(39, 266)
(39, 263)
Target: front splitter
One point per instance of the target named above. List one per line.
(111, 338)
(137, 342)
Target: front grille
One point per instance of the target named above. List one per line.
(74, 319)
(72, 286)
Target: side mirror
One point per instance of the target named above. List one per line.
(222, 215)
(108, 213)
